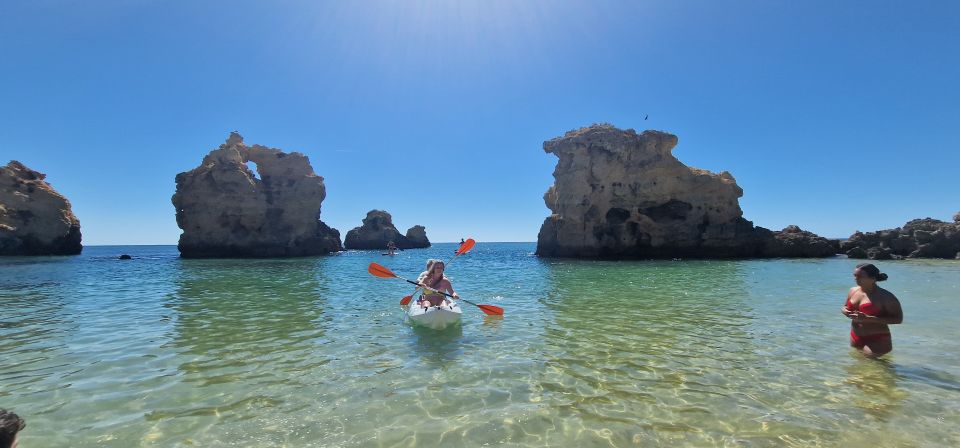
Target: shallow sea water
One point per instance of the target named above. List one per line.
(160, 351)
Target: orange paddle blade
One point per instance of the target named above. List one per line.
(491, 310)
(379, 271)
(406, 300)
(466, 246)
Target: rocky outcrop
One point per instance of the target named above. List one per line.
(418, 236)
(793, 242)
(619, 194)
(226, 211)
(34, 218)
(920, 238)
(378, 230)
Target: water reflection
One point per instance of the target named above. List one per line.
(244, 331)
(644, 345)
(34, 332)
(252, 312)
(876, 380)
(437, 348)
(492, 323)
(947, 381)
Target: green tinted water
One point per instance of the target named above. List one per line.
(160, 351)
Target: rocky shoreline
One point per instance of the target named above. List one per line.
(919, 238)
(617, 195)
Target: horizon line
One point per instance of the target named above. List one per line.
(439, 242)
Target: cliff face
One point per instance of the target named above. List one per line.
(619, 194)
(226, 211)
(919, 238)
(34, 218)
(378, 230)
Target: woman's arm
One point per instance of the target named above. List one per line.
(894, 310)
(451, 291)
(847, 311)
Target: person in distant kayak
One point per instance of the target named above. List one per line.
(10, 425)
(391, 247)
(871, 309)
(433, 278)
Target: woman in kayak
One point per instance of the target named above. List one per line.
(433, 278)
(871, 309)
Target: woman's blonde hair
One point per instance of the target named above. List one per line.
(423, 275)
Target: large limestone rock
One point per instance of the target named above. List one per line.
(378, 230)
(226, 211)
(919, 238)
(34, 218)
(619, 194)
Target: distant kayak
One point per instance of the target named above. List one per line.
(436, 317)
(387, 254)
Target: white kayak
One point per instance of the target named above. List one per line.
(435, 317)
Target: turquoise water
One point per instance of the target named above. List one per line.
(160, 351)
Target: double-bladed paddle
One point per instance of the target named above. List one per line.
(379, 271)
(464, 248)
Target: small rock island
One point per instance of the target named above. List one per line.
(378, 230)
(227, 211)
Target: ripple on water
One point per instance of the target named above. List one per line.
(159, 351)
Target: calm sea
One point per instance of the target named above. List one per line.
(159, 351)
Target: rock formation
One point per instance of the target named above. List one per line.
(378, 229)
(34, 218)
(226, 211)
(618, 194)
(920, 238)
(793, 242)
(418, 236)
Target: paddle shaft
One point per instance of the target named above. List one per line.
(420, 285)
(439, 292)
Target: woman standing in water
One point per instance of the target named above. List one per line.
(871, 309)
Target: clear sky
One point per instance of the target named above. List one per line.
(832, 115)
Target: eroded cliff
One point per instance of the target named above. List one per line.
(227, 211)
(34, 218)
(619, 194)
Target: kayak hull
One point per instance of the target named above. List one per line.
(437, 317)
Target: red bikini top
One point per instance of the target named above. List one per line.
(867, 308)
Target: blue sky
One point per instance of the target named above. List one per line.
(834, 116)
